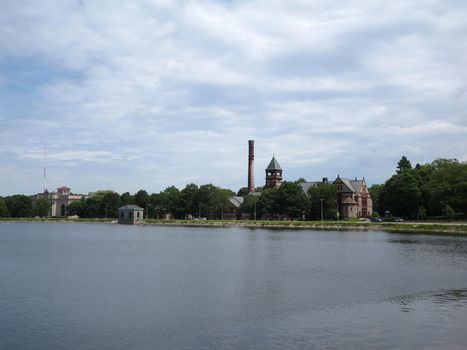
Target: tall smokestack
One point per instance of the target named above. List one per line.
(251, 166)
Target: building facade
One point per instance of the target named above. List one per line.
(354, 199)
(59, 200)
(130, 214)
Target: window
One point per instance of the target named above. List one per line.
(137, 214)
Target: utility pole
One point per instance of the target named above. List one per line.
(255, 211)
(322, 218)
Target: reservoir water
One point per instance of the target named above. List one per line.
(103, 286)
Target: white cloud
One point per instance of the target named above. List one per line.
(170, 91)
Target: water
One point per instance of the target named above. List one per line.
(102, 286)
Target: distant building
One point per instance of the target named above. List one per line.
(305, 185)
(59, 201)
(353, 198)
(273, 174)
(232, 211)
(130, 214)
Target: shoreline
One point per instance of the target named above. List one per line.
(456, 228)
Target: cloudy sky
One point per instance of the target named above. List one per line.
(149, 93)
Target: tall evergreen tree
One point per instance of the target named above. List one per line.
(403, 165)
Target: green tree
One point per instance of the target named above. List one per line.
(401, 195)
(447, 185)
(220, 200)
(127, 198)
(170, 201)
(3, 209)
(155, 206)
(292, 201)
(213, 200)
(250, 205)
(403, 165)
(325, 193)
(375, 193)
(142, 199)
(19, 205)
(189, 200)
(243, 192)
(109, 205)
(41, 208)
(77, 208)
(91, 208)
(268, 203)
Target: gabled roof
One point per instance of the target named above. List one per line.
(346, 183)
(274, 164)
(236, 201)
(357, 184)
(353, 185)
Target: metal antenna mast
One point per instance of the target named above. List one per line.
(45, 152)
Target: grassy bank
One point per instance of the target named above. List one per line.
(408, 227)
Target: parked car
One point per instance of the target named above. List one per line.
(398, 220)
(376, 220)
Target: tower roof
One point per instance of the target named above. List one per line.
(274, 164)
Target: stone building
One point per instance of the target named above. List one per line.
(130, 214)
(59, 200)
(353, 198)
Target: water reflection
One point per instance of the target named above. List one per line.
(112, 286)
(448, 298)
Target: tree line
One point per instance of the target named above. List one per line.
(209, 201)
(203, 201)
(289, 201)
(433, 190)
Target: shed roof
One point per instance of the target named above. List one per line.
(130, 207)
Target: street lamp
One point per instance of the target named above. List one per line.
(147, 211)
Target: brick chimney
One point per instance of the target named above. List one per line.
(251, 166)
